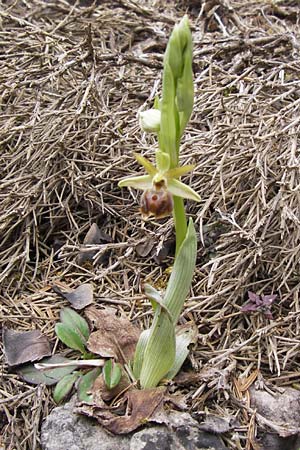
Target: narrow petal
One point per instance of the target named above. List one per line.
(144, 182)
(148, 166)
(179, 171)
(182, 190)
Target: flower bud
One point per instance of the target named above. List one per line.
(150, 120)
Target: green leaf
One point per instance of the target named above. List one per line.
(173, 55)
(159, 354)
(156, 300)
(184, 337)
(74, 321)
(185, 93)
(50, 376)
(64, 387)
(162, 161)
(139, 353)
(182, 274)
(156, 104)
(85, 385)
(70, 337)
(112, 374)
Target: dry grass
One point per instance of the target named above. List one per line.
(72, 81)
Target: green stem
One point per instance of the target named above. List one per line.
(180, 221)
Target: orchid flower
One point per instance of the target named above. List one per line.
(159, 185)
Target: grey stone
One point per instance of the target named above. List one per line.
(153, 438)
(64, 429)
(282, 409)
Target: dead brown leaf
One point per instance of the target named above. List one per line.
(217, 424)
(142, 405)
(80, 297)
(22, 347)
(94, 236)
(116, 337)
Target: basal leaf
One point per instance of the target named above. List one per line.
(159, 353)
(85, 385)
(64, 387)
(50, 376)
(139, 353)
(70, 337)
(74, 321)
(184, 337)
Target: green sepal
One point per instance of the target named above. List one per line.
(142, 182)
(148, 166)
(182, 190)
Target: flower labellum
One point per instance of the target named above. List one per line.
(157, 202)
(150, 120)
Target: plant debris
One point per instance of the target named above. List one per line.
(141, 406)
(49, 377)
(93, 237)
(80, 297)
(21, 347)
(115, 337)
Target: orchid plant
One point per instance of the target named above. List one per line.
(162, 349)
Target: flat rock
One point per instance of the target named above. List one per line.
(64, 429)
(282, 409)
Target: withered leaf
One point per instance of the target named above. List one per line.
(142, 405)
(93, 237)
(167, 248)
(216, 424)
(24, 346)
(144, 248)
(80, 297)
(116, 337)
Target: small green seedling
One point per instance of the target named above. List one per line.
(73, 330)
(112, 373)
